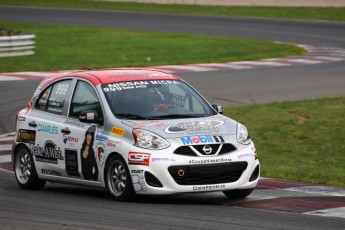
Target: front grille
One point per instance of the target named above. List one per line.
(184, 150)
(187, 151)
(200, 148)
(207, 174)
(227, 148)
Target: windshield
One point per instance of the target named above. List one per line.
(155, 99)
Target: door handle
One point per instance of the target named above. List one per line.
(66, 131)
(33, 124)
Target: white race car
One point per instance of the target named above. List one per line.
(131, 131)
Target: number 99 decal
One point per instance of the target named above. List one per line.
(62, 89)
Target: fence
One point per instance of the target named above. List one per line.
(17, 45)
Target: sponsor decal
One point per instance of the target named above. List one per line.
(160, 74)
(50, 153)
(117, 131)
(26, 136)
(21, 118)
(201, 140)
(55, 102)
(210, 161)
(137, 158)
(46, 128)
(37, 92)
(100, 153)
(208, 187)
(219, 139)
(125, 85)
(50, 172)
(62, 89)
(155, 159)
(142, 124)
(88, 161)
(101, 137)
(74, 123)
(137, 171)
(72, 162)
(138, 181)
(136, 85)
(111, 144)
(164, 82)
(245, 155)
(70, 141)
(90, 116)
(194, 126)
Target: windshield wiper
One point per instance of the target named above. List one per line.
(173, 116)
(130, 116)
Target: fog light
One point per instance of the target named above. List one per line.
(180, 172)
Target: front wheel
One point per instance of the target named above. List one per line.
(25, 171)
(118, 179)
(238, 194)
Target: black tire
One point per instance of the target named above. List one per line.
(118, 179)
(25, 171)
(238, 194)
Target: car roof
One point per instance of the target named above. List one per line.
(105, 76)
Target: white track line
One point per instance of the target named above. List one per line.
(331, 212)
(7, 78)
(5, 159)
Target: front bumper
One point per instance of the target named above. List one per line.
(185, 174)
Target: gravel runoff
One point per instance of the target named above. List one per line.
(314, 3)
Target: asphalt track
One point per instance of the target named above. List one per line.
(274, 205)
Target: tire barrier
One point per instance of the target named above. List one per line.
(17, 45)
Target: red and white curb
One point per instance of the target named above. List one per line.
(315, 55)
(6, 141)
(297, 197)
(285, 196)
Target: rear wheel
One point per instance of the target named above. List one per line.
(118, 179)
(238, 194)
(25, 170)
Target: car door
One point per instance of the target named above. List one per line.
(46, 119)
(83, 156)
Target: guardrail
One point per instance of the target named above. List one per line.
(17, 45)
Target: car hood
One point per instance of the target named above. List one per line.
(174, 128)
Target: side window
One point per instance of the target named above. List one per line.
(54, 97)
(43, 100)
(84, 98)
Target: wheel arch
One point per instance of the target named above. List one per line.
(14, 150)
(111, 155)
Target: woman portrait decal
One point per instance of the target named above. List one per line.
(89, 165)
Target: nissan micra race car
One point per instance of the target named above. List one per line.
(131, 131)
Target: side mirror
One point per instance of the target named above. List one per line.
(218, 108)
(89, 116)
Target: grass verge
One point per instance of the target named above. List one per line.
(300, 140)
(320, 13)
(74, 47)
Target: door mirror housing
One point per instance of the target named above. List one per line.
(218, 108)
(89, 116)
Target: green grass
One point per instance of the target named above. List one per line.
(320, 13)
(300, 140)
(73, 47)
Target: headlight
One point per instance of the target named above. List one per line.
(148, 140)
(242, 134)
